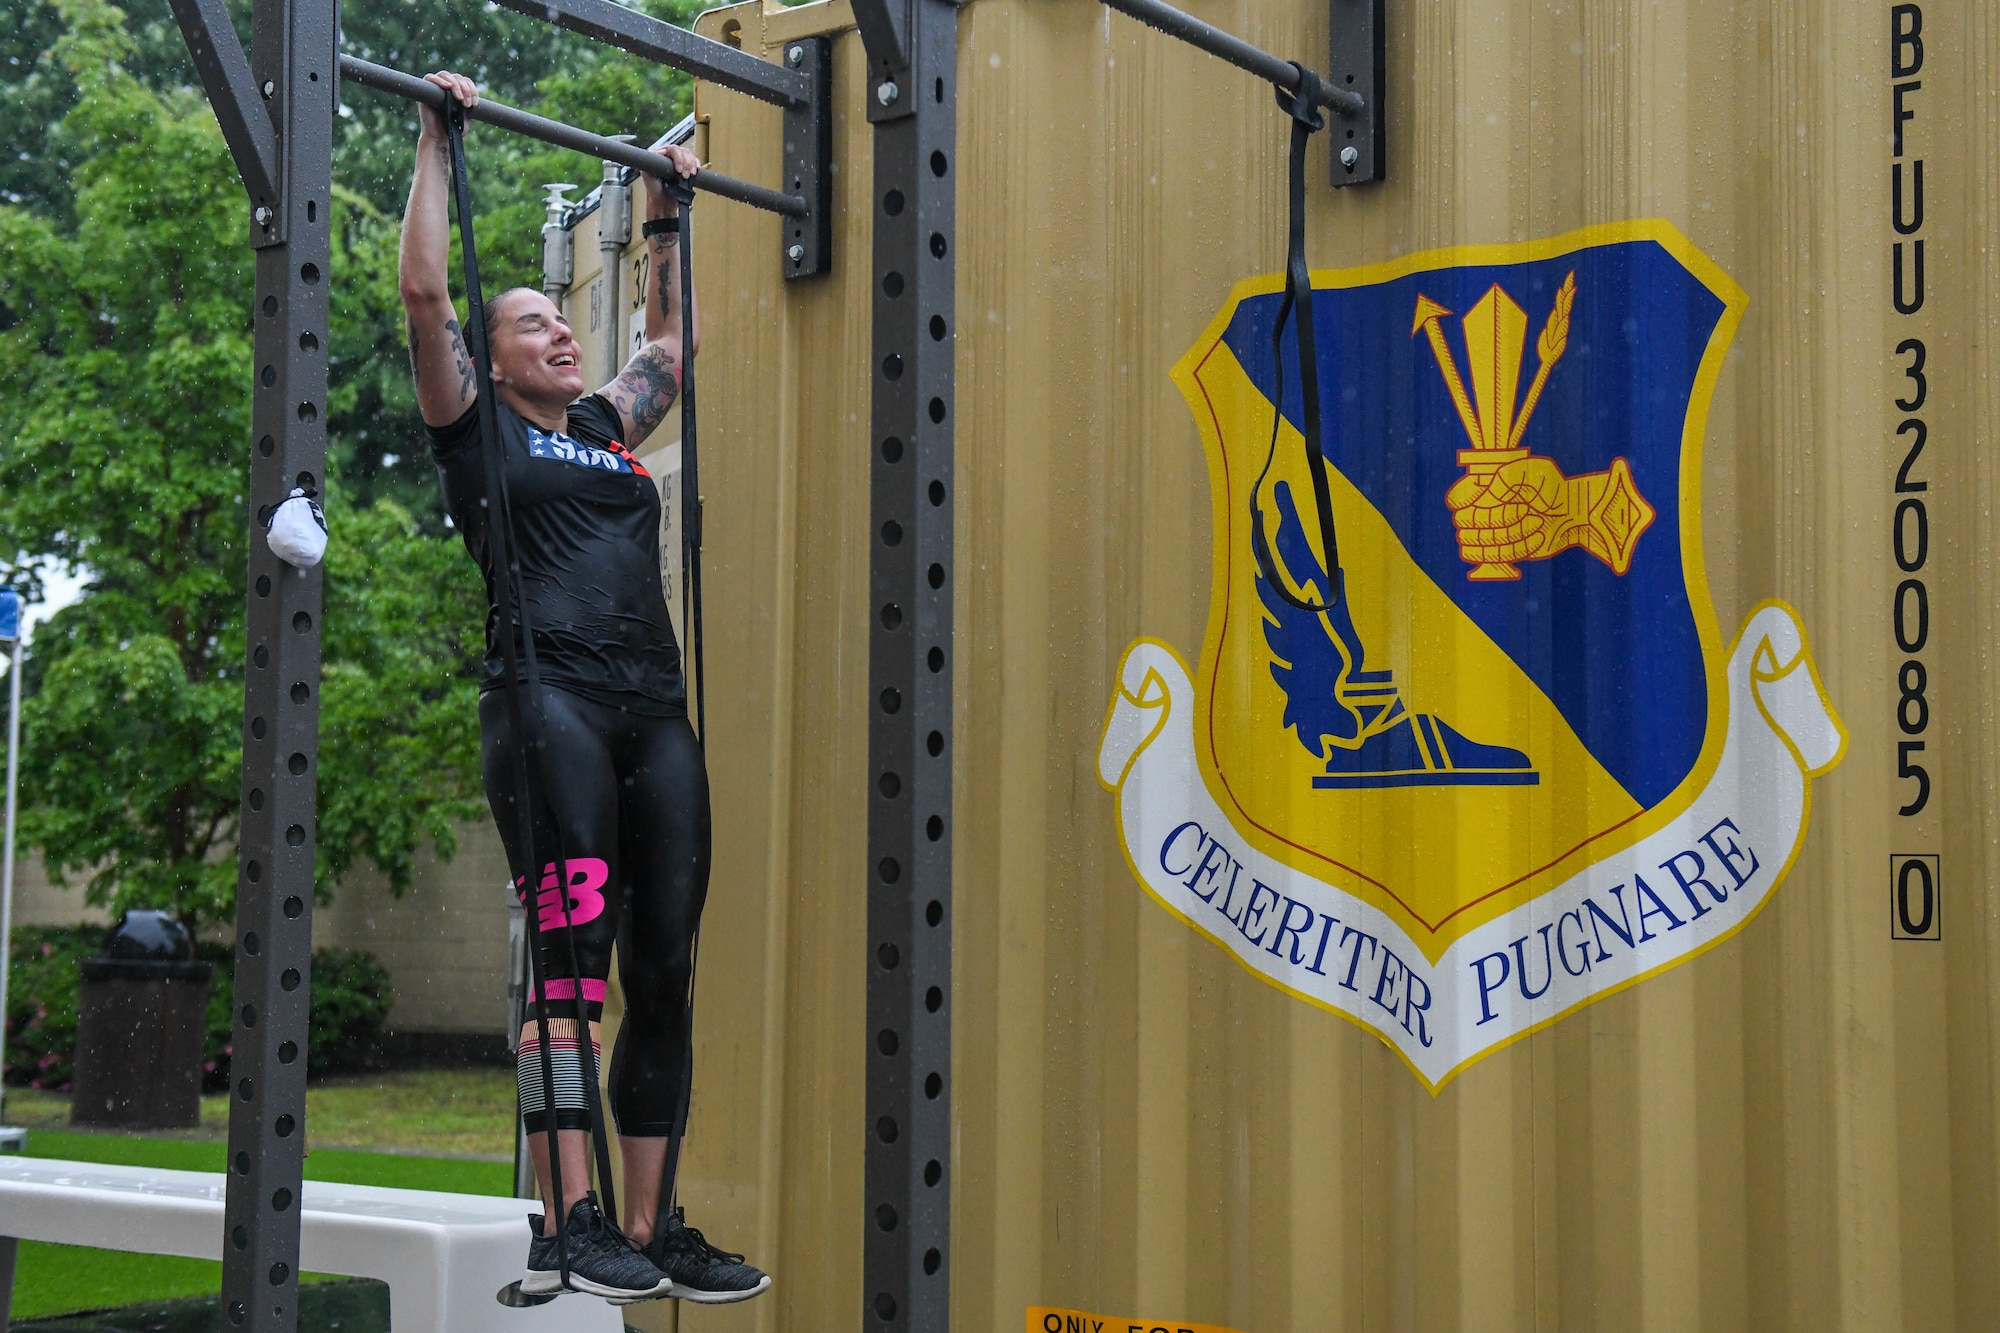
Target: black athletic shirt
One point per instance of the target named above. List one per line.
(587, 535)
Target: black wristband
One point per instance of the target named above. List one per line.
(669, 225)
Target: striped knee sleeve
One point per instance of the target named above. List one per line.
(566, 1060)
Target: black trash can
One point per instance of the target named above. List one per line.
(141, 1017)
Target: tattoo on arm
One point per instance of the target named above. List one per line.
(411, 325)
(464, 362)
(647, 389)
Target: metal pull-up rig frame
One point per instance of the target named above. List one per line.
(276, 108)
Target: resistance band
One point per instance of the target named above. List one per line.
(512, 607)
(690, 469)
(697, 679)
(1302, 104)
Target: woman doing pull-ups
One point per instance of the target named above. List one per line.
(624, 792)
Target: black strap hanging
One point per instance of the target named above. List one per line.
(512, 608)
(690, 473)
(696, 679)
(1303, 105)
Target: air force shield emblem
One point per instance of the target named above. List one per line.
(1479, 755)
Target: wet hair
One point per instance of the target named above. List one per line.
(492, 308)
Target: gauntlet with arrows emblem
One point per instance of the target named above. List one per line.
(1513, 504)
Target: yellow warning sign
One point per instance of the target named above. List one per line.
(1054, 1319)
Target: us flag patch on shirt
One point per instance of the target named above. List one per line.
(556, 445)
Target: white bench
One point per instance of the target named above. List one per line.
(444, 1256)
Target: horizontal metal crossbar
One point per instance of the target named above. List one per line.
(383, 79)
(1228, 47)
(642, 35)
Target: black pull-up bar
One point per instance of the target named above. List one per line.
(1235, 50)
(384, 79)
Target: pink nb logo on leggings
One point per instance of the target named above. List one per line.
(586, 898)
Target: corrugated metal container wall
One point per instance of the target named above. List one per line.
(773, 1162)
(1795, 1129)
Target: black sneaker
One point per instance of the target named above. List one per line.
(700, 1272)
(601, 1261)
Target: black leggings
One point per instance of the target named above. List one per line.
(630, 796)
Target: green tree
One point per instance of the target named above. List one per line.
(125, 366)
(374, 433)
(124, 356)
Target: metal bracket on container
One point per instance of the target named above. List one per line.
(808, 240)
(1356, 31)
(800, 82)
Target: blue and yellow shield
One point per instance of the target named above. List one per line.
(1507, 666)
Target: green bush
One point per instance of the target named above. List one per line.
(350, 1005)
(41, 1002)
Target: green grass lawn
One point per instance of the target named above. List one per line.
(437, 1112)
(450, 1111)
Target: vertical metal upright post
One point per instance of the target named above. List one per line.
(912, 102)
(292, 62)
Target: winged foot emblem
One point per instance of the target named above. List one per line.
(1347, 715)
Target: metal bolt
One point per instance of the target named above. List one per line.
(797, 253)
(796, 56)
(1349, 156)
(263, 216)
(887, 92)
(270, 88)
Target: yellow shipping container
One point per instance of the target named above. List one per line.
(1712, 300)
